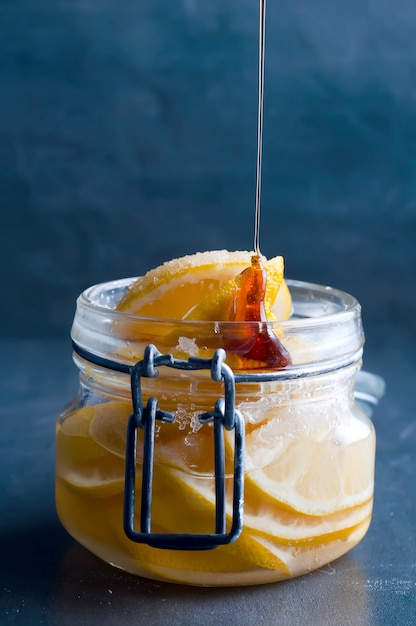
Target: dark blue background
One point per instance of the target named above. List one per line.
(128, 136)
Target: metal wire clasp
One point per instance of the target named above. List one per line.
(224, 415)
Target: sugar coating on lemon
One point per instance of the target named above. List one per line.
(173, 289)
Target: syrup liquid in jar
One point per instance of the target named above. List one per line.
(295, 349)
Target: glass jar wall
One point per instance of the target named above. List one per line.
(308, 453)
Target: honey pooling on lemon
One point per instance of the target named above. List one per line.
(261, 345)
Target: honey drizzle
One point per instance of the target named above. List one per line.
(259, 347)
(260, 108)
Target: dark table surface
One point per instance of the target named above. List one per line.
(46, 578)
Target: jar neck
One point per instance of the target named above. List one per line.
(323, 333)
(195, 385)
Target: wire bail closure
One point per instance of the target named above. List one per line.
(224, 416)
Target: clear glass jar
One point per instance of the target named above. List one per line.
(307, 459)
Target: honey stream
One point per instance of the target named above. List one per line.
(261, 347)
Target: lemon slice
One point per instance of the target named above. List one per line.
(218, 560)
(309, 473)
(188, 505)
(100, 479)
(171, 290)
(272, 522)
(83, 462)
(180, 445)
(73, 443)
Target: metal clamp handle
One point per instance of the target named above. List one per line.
(223, 416)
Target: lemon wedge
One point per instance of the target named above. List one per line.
(173, 289)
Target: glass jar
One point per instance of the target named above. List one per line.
(185, 469)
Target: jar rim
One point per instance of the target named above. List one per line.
(347, 305)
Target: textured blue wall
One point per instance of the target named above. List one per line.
(128, 136)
